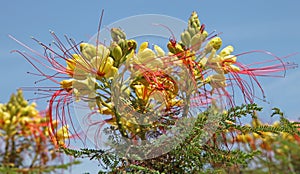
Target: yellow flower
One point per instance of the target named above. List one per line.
(223, 62)
(104, 66)
(215, 43)
(159, 51)
(84, 87)
(142, 92)
(62, 134)
(148, 57)
(92, 60)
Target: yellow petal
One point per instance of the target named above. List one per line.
(63, 133)
(111, 72)
(159, 51)
(140, 91)
(71, 64)
(146, 56)
(234, 68)
(143, 46)
(66, 84)
(230, 58)
(88, 51)
(203, 61)
(106, 111)
(226, 51)
(102, 51)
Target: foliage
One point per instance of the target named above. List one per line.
(228, 151)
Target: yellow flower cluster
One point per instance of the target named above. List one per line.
(19, 117)
(24, 129)
(153, 79)
(92, 60)
(204, 58)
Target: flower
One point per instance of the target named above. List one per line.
(146, 58)
(92, 60)
(196, 72)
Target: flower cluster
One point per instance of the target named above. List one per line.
(277, 143)
(264, 140)
(24, 135)
(142, 90)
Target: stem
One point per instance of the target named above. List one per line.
(6, 154)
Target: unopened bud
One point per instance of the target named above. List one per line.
(117, 34)
(194, 21)
(131, 44)
(192, 31)
(196, 42)
(186, 38)
(116, 52)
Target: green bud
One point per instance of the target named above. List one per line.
(171, 48)
(131, 44)
(123, 44)
(116, 52)
(204, 35)
(186, 38)
(192, 31)
(117, 34)
(194, 21)
(175, 49)
(13, 110)
(196, 41)
(194, 25)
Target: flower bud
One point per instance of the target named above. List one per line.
(131, 44)
(186, 38)
(175, 49)
(194, 21)
(116, 52)
(191, 31)
(143, 46)
(117, 34)
(196, 42)
(146, 55)
(122, 43)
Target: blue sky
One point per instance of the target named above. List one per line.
(247, 25)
